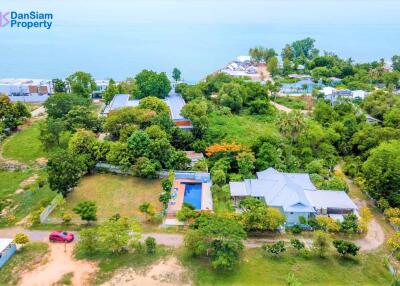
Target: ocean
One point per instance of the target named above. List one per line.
(121, 37)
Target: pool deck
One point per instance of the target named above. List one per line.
(178, 193)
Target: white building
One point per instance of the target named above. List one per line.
(293, 194)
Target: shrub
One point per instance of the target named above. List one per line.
(349, 224)
(296, 229)
(383, 204)
(35, 216)
(346, 247)
(392, 212)
(297, 244)
(313, 223)
(302, 220)
(87, 210)
(186, 213)
(21, 238)
(328, 224)
(275, 248)
(151, 245)
(66, 219)
(166, 184)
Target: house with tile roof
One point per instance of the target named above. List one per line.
(293, 194)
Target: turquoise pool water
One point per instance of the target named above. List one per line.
(193, 194)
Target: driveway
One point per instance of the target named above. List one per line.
(371, 241)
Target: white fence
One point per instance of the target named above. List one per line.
(48, 210)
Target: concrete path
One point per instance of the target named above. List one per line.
(281, 107)
(38, 111)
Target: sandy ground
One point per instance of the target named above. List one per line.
(165, 273)
(58, 264)
(374, 238)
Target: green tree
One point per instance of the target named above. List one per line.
(88, 240)
(345, 247)
(125, 120)
(58, 105)
(176, 74)
(117, 235)
(51, 131)
(87, 210)
(139, 144)
(245, 161)
(146, 168)
(221, 237)
(64, 171)
(273, 66)
(381, 172)
(154, 103)
(81, 83)
(396, 62)
(119, 155)
(150, 83)
(321, 242)
(82, 145)
(232, 95)
(110, 91)
(81, 117)
(59, 85)
(290, 125)
(392, 118)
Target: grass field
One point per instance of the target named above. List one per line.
(114, 194)
(27, 201)
(333, 270)
(24, 146)
(291, 102)
(24, 260)
(241, 129)
(9, 181)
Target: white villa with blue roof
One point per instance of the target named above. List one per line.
(294, 194)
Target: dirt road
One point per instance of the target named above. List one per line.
(60, 262)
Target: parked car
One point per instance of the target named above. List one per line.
(61, 236)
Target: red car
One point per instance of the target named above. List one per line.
(61, 236)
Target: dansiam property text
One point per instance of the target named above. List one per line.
(26, 20)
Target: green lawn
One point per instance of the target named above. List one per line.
(242, 129)
(24, 260)
(9, 181)
(29, 200)
(25, 145)
(258, 270)
(114, 194)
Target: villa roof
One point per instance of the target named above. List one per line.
(293, 192)
(278, 189)
(330, 199)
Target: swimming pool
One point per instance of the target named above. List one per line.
(193, 194)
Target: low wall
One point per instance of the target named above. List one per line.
(7, 255)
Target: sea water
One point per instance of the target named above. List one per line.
(118, 38)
